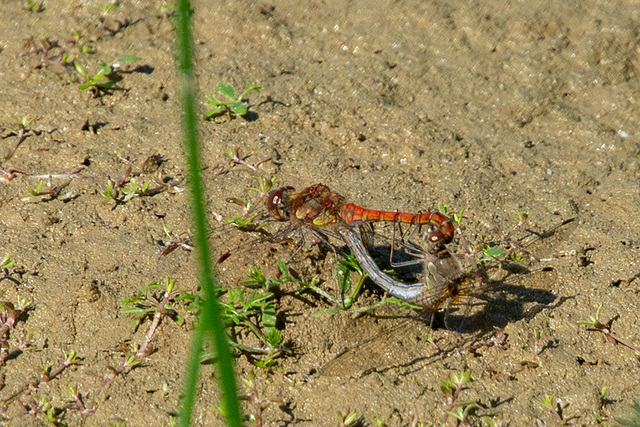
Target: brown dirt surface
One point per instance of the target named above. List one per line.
(490, 107)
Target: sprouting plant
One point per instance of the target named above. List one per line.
(602, 402)
(23, 123)
(456, 217)
(6, 262)
(452, 389)
(35, 6)
(556, 407)
(109, 193)
(77, 402)
(342, 274)
(21, 133)
(233, 154)
(595, 324)
(347, 419)
(145, 304)
(134, 189)
(130, 188)
(380, 422)
(257, 313)
(264, 186)
(258, 402)
(246, 219)
(107, 7)
(522, 217)
(105, 80)
(50, 191)
(234, 105)
(182, 240)
(490, 253)
(86, 48)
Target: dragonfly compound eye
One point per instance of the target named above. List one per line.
(436, 235)
(277, 203)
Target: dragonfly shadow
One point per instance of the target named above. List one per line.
(409, 342)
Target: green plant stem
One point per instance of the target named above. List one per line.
(210, 320)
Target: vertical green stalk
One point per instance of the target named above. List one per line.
(209, 322)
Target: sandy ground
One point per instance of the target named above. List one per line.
(490, 107)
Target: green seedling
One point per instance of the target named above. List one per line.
(134, 189)
(107, 7)
(454, 216)
(595, 324)
(489, 253)
(6, 262)
(257, 313)
(454, 385)
(183, 240)
(130, 188)
(49, 191)
(254, 398)
(109, 194)
(105, 80)
(234, 105)
(522, 218)
(462, 413)
(86, 48)
(342, 275)
(264, 186)
(245, 220)
(147, 303)
(602, 402)
(347, 419)
(23, 123)
(452, 389)
(44, 406)
(556, 407)
(21, 133)
(496, 421)
(76, 401)
(34, 6)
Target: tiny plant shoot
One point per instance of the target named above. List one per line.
(234, 105)
(105, 80)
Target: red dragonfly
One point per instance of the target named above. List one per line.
(446, 278)
(318, 208)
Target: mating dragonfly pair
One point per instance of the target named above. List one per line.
(443, 276)
(427, 272)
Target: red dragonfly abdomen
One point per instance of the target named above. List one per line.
(442, 231)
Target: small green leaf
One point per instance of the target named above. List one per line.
(227, 90)
(269, 317)
(80, 68)
(218, 111)
(239, 108)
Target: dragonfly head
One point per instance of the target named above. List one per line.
(436, 236)
(277, 203)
